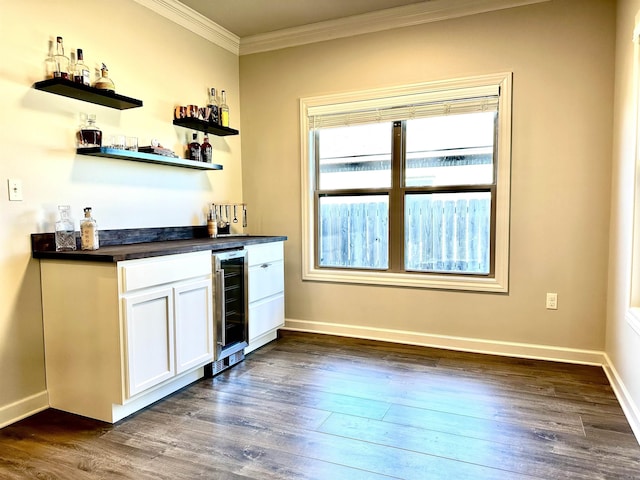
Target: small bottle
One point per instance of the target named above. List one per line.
(65, 231)
(104, 82)
(212, 222)
(224, 110)
(89, 231)
(206, 151)
(61, 61)
(81, 72)
(89, 135)
(214, 116)
(50, 65)
(193, 151)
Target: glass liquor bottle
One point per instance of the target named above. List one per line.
(50, 63)
(61, 61)
(104, 82)
(214, 116)
(224, 110)
(65, 231)
(206, 151)
(193, 151)
(89, 231)
(81, 72)
(89, 135)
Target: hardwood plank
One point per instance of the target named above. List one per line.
(321, 407)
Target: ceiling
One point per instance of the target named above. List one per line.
(245, 18)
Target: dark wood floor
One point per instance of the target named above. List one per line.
(321, 407)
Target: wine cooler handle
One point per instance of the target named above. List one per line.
(220, 307)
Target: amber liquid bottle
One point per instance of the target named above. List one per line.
(206, 151)
(193, 151)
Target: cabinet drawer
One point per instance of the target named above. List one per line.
(265, 280)
(148, 272)
(265, 253)
(265, 316)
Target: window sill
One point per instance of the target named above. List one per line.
(438, 282)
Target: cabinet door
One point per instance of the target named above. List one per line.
(194, 324)
(150, 339)
(265, 316)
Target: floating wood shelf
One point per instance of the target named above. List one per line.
(201, 125)
(67, 88)
(146, 158)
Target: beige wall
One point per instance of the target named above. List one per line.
(623, 343)
(561, 56)
(149, 58)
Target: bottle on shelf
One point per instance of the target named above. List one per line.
(224, 109)
(214, 116)
(81, 72)
(104, 82)
(206, 151)
(49, 62)
(65, 231)
(193, 150)
(89, 231)
(89, 135)
(61, 61)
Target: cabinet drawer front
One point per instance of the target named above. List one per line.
(148, 272)
(265, 280)
(265, 316)
(265, 253)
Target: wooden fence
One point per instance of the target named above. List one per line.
(442, 234)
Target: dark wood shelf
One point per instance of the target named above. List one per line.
(67, 88)
(201, 125)
(146, 158)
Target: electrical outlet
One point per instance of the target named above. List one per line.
(552, 301)
(15, 189)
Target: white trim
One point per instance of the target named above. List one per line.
(633, 319)
(500, 282)
(23, 408)
(464, 344)
(405, 16)
(630, 409)
(193, 21)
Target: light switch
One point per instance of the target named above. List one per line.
(15, 189)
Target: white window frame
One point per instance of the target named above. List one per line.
(498, 283)
(633, 311)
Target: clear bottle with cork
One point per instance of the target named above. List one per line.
(65, 230)
(224, 109)
(61, 61)
(104, 82)
(89, 231)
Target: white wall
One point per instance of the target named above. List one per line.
(561, 54)
(623, 343)
(149, 58)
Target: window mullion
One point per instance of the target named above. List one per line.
(396, 199)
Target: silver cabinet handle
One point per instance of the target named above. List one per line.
(264, 265)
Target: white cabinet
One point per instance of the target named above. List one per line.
(266, 293)
(119, 337)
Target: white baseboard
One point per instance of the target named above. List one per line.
(510, 349)
(629, 407)
(23, 408)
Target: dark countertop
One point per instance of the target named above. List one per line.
(119, 245)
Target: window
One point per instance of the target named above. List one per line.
(409, 186)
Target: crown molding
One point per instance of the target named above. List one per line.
(405, 16)
(194, 22)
